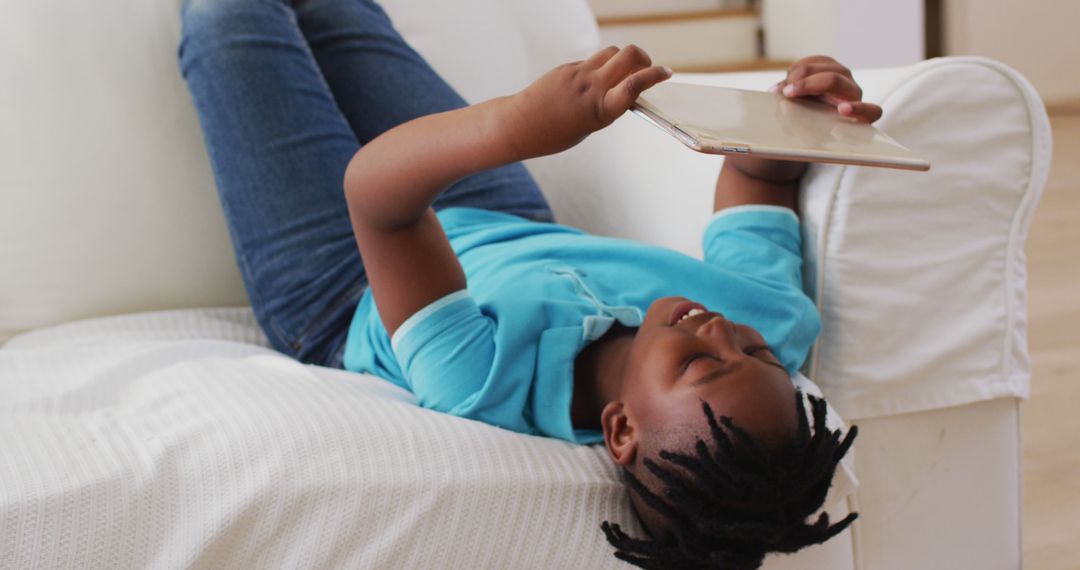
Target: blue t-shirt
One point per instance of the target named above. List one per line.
(503, 350)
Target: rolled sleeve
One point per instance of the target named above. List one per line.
(446, 352)
(759, 241)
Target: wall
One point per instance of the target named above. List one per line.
(1037, 37)
(858, 33)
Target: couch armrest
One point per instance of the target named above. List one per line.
(920, 277)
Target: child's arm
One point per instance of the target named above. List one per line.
(391, 182)
(750, 180)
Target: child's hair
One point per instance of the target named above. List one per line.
(744, 500)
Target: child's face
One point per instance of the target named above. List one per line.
(674, 363)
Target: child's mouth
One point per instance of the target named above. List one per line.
(685, 309)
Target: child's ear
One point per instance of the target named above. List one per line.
(620, 435)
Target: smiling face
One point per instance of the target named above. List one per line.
(683, 354)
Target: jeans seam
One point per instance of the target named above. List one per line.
(318, 320)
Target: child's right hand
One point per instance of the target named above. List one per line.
(825, 78)
(576, 99)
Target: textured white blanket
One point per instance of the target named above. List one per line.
(178, 439)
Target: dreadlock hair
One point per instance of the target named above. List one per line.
(742, 500)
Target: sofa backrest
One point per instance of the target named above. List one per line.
(107, 202)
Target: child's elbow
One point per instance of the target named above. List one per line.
(371, 197)
(353, 182)
(358, 182)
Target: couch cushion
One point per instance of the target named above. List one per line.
(178, 438)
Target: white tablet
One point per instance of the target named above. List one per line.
(721, 120)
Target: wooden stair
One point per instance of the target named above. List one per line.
(687, 35)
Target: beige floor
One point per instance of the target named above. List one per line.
(1051, 419)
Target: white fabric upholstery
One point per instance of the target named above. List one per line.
(940, 488)
(488, 48)
(178, 439)
(108, 203)
(921, 279)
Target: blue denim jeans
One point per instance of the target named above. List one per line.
(286, 93)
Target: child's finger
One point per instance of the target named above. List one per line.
(619, 98)
(601, 57)
(629, 59)
(867, 112)
(828, 83)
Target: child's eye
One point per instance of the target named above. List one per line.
(762, 353)
(690, 360)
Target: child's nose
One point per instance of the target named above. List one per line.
(721, 332)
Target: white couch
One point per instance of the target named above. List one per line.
(178, 439)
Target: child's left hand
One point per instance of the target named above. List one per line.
(823, 77)
(573, 100)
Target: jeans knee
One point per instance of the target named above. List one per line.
(221, 17)
(210, 24)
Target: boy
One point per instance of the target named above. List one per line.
(471, 298)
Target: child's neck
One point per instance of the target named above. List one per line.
(598, 376)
